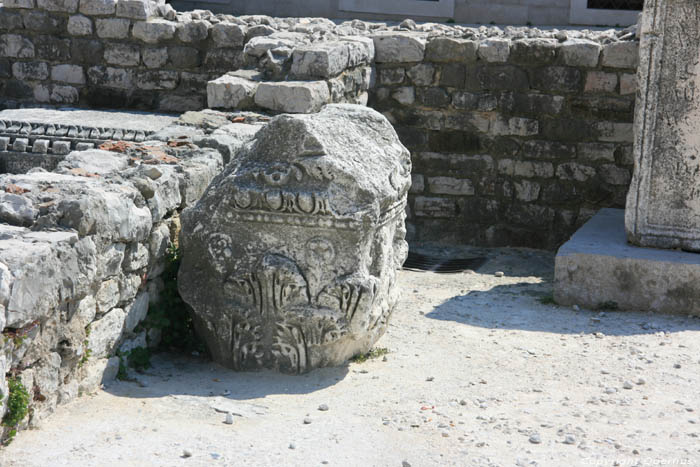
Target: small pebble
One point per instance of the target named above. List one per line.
(627, 385)
(292, 446)
(323, 407)
(570, 439)
(430, 378)
(535, 438)
(576, 308)
(677, 365)
(462, 402)
(186, 453)
(229, 418)
(307, 421)
(499, 274)
(641, 381)
(405, 464)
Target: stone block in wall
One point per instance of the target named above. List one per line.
(136, 9)
(450, 49)
(514, 126)
(360, 50)
(105, 333)
(64, 6)
(16, 46)
(621, 55)
(68, 73)
(398, 47)
(30, 70)
(404, 95)
(580, 52)
(628, 83)
(450, 186)
(421, 74)
(110, 77)
(136, 312)
(532, 103)
(98, 7)
(548, 150)
(466, 121)
(324, 60)
(484, 102)
(42, 92)
(228, 34)
(292, 96)
(184, 57)
(19, 4)
(157, 79)
(526, 190)
(154, 57)
(427, 206)
(41, 21)
(452, 75)
(596, 151)
(500, 77)
(615, 132)
(10, 20)
(389, 76)
(112, 28)
(557, 78)
(153, 31)
(51, 48)
(535, 51)
(231, 92)
(193, 31)
(223, 60)
(79, 25)
(494, 50)
(417, 183)
(600, 81)
(432, 97)
(575, 172)
(122, 54)
(87, 51)
(615, 175)
(527, 169)
(96, 372)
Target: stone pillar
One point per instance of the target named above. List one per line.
(663, 203)
(290, 258)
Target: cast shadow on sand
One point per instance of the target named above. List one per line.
(529, 307)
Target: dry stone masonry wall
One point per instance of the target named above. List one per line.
(82, 250)
(515, 141)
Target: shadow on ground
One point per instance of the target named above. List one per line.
(177, 374)
(526, 306)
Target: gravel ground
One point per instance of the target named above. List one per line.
(482, 370)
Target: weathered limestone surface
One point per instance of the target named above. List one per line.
(663, 204)
(598, 267)
(290, 257)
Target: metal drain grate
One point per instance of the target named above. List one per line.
(616, 4)
(418, 262)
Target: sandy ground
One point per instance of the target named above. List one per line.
(479, 372)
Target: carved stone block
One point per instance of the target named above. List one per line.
(663, 204)
(290, 257)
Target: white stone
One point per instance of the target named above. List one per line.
(79, 25)
(153, 31)
(66, 73)
(398, 47)
(292, 96)
(231, 92)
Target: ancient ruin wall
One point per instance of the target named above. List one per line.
(517, 136)
(514, 142)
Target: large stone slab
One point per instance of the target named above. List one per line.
(597, 267)
(663, 204)
(290, 257)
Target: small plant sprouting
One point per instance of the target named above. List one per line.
(86, 355)
(17, 407)
(371, 355)
(139, 358)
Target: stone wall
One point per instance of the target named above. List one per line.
(515, 141)
(131, 53)
(82, 249)
(518, 135)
